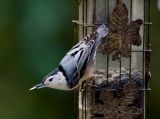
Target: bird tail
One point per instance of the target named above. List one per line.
(95, 40)
(101, 32)
(96, 37)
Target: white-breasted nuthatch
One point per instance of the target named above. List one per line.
(75, 64)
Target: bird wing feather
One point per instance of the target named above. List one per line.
(76, 60)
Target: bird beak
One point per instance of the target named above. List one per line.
(38, 86)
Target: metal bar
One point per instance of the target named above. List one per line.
(85, 103)
(120, 74)
(147, 89)
(147, 54)
(83, 18)
(87, 24)
(120, 63)
(147, 23)
(82, 98)
(143, 64)
(94, 15)
(96, 24)
(107, 70)
(141, 50)
(130, 45)
(134, 50)
(84, 34)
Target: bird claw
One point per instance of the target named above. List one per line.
(83, 87)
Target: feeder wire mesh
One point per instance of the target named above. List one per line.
(119, 90)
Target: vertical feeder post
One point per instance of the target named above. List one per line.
(119, 89)
(84, 25)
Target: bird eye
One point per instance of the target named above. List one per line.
(50, 79)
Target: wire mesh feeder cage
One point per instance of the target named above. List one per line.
(120, 87)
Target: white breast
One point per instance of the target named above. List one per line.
(59, 82)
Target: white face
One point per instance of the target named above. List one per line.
(57, 81)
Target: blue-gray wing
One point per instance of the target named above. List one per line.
(73, 65)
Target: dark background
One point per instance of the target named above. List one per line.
(34, 36)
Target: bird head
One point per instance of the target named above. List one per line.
(55, 80)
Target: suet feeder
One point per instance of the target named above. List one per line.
(120, 87)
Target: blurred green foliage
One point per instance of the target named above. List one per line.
(34, 36)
